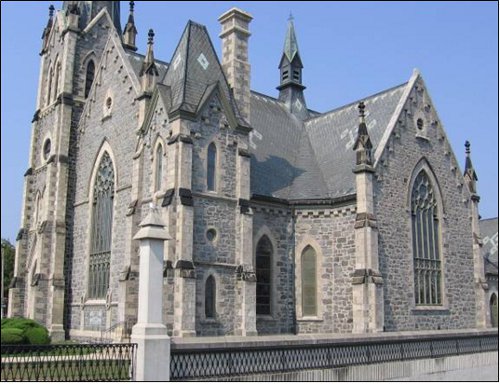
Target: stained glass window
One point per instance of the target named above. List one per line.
(425, 235)
(210, 298)
(308, 274)
(263, 272)
(211, 164)
(102, 223)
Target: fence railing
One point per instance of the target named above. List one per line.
(68, 362)
(226, 360)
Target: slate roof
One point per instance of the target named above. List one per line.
(489, 233)
(194, 69)
(292, 159)
(136, 60)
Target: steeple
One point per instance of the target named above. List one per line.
(130, 32)
(46, 31)
(291, 88)
(363, 145)
(149, 72)
(470, 173)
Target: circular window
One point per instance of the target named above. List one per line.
(420, 124)
(109, 102)
(211, 235)
(46, 149)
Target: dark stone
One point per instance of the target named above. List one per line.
(186, 197)
(167, 198)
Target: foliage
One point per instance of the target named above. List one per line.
(37, 336)
(13, 336)
(8, 253)
(30, 331)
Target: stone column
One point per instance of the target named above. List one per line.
(367, 290)
(150, 334)
(246, 321)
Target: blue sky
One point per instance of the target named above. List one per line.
(350, 50)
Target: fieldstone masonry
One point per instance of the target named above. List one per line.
(361, 237)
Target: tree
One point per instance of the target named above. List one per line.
(8, 254)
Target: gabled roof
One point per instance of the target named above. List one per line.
(489, 233)
(194, 68)
(333, 134)
(136, 60)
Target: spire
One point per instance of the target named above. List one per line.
(363, 145)
(130, 32)
(470, 172)
(46, 30)
(291, 88)
(149, 71)
(291, 47)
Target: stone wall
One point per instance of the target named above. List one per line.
(407, 146)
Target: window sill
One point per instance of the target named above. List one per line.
(420, 310)
(422, 136)
(312, 319)
(265, 318)
(209, 321)
(95, 302)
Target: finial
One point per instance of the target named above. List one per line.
(51, 10)
(290, 18)
(132, 4)
(361, 108)
(151, 35)
(467, 147)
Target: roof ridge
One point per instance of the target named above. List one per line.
(357, 101)
(488, 219)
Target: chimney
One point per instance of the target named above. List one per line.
(234, 35)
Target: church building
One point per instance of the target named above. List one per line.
(283, 220)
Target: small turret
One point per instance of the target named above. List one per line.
(130, 32)
(149, 72)
(470, 173)
(363, 145)
(48, 28)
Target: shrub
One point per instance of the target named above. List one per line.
(12, 336)
(37, 336)
(19, 330)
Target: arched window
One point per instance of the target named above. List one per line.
(102, 222)
(56, 80)
(38, 209)
(308, 274)
(49, 85)
(425, 237)
(494, 310)
(211, 164)
(89, 77)
(263, 260)
(158, 167)
(210, 296)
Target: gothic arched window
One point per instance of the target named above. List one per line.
(263, 259)
(210, 297)
(425, 239)
(49, 85)
(102, 223)
(158, 167)
(211, 165)
(308, 274)
(56, 80)
(89, 77)
(494, 310)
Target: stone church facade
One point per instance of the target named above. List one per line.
(283, 219)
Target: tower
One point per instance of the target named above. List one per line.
(44, 241)
(291, 88)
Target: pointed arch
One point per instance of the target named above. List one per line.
(494, 310)
(104, 147)
(57, 76)
(49, 84)
(423, 164)
(212, 157)
(158, 164)
(89, 76)
(210, 297)
(426, 211)
(101, 228)
(308, 261)
(264, 256)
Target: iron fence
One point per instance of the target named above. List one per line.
(68, 362)
(232, 361)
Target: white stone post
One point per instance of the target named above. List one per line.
(150, 334)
